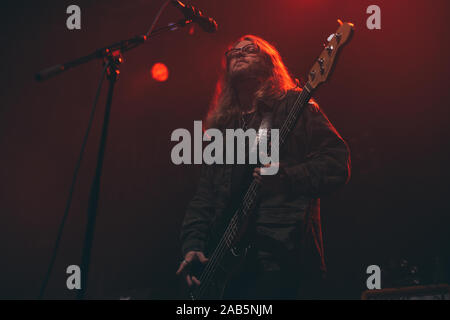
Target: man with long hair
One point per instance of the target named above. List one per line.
(286, 258)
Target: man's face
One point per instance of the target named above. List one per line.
(243, 63)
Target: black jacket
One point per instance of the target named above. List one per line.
(317, 162)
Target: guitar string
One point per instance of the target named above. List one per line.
(230, 232)
(220, 248)
(224, 243)
(231, 229)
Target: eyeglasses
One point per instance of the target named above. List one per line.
(248, 49)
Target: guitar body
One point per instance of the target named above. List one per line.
(229, 265)
(226, 259)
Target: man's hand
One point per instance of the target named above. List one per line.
(186, 264)
(270, 179)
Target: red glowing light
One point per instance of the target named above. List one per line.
(160, 72)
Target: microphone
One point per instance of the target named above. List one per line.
(196, 15)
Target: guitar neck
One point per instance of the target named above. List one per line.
(295, 113)
(234, 226)
(251, 195)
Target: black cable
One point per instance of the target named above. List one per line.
(157, 17)
(72, 186)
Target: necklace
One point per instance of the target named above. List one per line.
(245, 123)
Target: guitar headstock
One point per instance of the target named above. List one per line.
(322, 67)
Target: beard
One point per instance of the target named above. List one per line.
(250, 71)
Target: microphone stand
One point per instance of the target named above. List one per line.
(112, 57)
(123, 46)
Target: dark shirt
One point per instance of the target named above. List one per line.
(317, 161)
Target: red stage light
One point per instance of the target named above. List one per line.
(160, 72)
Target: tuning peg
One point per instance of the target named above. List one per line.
(320, 61)
(337, 35)
(329, 49)
(312, 74)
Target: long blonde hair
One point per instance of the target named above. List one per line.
(225, 106)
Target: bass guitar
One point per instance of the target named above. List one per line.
(232, 248)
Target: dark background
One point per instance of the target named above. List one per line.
(388, 98)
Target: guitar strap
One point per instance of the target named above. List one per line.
(263, 131)
(240, 173)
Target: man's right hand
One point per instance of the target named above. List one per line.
(186, 264)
